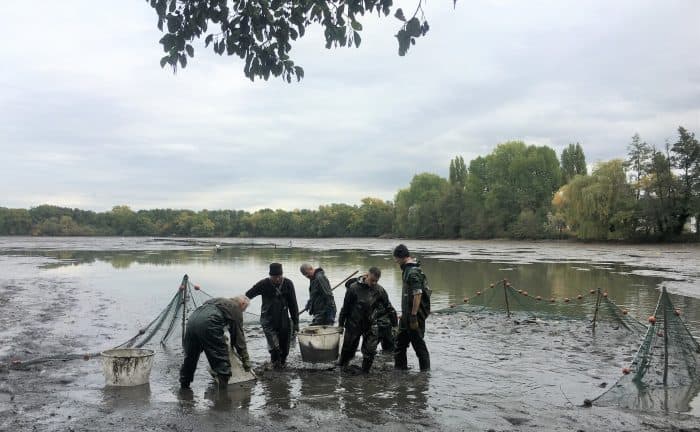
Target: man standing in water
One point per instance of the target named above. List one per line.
(279, 314)
(415, 307)
(364, 300)
(205, 332)
(321, 304)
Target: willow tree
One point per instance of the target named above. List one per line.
(599, 206)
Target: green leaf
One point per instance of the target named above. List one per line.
(399, 14)
(208, 40)
(413, 27)
(183, 60)
(356, 25)
(357, 39)
(190, 50)
(164, 61)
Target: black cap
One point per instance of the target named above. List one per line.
(401, 251)
(275, 269)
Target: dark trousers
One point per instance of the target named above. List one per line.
(386, 338)
(205, 332)
(278, 343)
(326, 317)
(351, 339)
(407, 336)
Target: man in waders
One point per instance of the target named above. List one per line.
(415, 307)
(321, 304)
(205, 332)
(363, 301)
(279, 314)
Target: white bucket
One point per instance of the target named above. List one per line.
(127, 366)
(319, 344)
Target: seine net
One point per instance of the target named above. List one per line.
(665, 372)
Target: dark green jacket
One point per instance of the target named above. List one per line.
(362, 306)
(234, 319)
(279, 304)
(320, 295)
(413, 282)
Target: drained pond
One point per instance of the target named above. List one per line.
(65, 298)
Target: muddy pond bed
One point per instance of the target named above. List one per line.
(529, 371)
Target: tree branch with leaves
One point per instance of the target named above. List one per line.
(262, 32)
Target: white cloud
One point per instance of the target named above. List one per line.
(89, 117)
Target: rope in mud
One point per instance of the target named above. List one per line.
(172, 311)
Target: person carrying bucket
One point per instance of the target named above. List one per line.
(278, 313)
(205, 332)
(364, 300)
(321, 304)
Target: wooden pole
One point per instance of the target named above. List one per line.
(185, 285)
(665, 295)
(597, 305)
(505, 293)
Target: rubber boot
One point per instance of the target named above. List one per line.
(367, 364)
(400, 360)
(344, 359)
(222, 380)
(424, 361)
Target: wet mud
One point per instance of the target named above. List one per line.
(489, 372)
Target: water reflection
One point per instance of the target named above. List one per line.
(235, 396)
(114, 397)
(235, 269)
(370, 397)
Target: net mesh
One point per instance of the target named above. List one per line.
(170, 320)
(665, 372)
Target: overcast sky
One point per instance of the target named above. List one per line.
(88, 118)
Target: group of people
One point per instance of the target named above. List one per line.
(366, 313)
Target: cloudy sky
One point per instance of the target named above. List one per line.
(88, 118)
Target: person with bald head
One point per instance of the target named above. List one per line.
(205, 332)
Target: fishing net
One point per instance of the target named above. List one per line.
(594, 306)
(187, 298)
(665, 372)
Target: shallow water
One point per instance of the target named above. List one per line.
(488, 370)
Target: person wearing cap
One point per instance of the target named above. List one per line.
(279, 314)
(321, 304)
(205, 332)
(414, 310)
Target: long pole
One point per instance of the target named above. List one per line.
(185, 288)
(665, 294)
(505, 293)
(333, 289)
(597, 305)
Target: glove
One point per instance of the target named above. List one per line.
(296, 328)
(413, 322)
(245, 359)
(393, 319)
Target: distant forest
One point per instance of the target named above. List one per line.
(518, 191)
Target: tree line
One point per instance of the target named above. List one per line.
(518, 191)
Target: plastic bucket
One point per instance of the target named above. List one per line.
(127, 366)
(319, 344)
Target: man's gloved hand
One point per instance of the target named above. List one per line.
(394, 319)
(245, 359)
(296, 328)
(413, 322)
